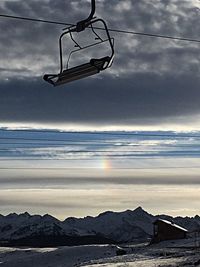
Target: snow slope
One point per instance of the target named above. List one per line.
(53, 257)
(166, 254)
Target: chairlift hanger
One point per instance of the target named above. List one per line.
(95, 65)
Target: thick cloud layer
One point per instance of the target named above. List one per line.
(139, 99)
(152, 80)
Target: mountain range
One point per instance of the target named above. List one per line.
(108, 227)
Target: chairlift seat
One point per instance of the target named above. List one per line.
(78, 72)
(95, 65)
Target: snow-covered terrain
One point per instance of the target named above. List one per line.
(55, 257)
(165, 254)
(108, 227)
(120, 226)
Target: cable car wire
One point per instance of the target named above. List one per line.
(99, 28)
(35, 20)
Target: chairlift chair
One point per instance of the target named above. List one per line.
(95, 65)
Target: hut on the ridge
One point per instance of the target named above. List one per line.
(166, 230)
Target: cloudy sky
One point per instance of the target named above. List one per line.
(153, 85)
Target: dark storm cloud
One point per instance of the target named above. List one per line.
(142, 97)
(151, 81)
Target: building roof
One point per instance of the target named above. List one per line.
(172, 224)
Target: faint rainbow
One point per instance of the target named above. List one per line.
(106, 164)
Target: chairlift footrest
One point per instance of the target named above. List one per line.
(79, 72)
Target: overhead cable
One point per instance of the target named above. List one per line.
(187, 39)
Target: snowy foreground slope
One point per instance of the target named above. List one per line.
(166, 254)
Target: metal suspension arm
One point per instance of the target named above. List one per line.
(81, 25)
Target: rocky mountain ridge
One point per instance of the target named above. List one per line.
(126, 226)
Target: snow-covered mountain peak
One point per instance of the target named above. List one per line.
(139, 210)
(24, 215)
(197, 217)
(123, 226)
(105, 214)
(48, 217)
(12, 216)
